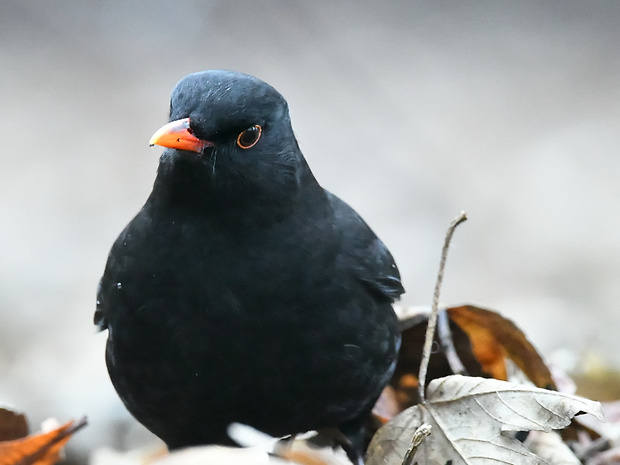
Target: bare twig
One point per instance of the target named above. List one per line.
(432, 319)
(416, 441)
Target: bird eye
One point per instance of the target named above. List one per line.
(249, 137)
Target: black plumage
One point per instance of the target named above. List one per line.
(243, 291)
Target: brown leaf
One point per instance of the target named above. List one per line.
(38, 449)
(480, 340)
(387, 406)
(405, 378)
(13, 425)
(494, 339)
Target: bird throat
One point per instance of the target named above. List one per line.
(192, 183)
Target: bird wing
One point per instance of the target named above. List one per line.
(370, 259)
(116, 262)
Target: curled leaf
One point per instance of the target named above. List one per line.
(39, 449)
(470, 418)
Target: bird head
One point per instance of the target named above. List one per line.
(229, 133)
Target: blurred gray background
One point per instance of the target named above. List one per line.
(409, 110)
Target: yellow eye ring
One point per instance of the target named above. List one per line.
(248, 138)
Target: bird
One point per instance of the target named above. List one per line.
(243, 291)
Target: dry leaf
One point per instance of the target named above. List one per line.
(219, 455)
(470, 416)
(145, 455)
(610, 428)
(297, 453)
(38, 449)
(551, 448)
(495, 338)
(386, 407)
(405, 378)
(312, 448)
(608, 457)
(303, 453)
(482, 340)
(13, 425)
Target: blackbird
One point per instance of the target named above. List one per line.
(243, 291)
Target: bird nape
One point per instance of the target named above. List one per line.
(243, 291)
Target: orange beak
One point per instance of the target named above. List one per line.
(178, 135)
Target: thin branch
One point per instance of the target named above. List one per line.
(416, 441)
(432, 319)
